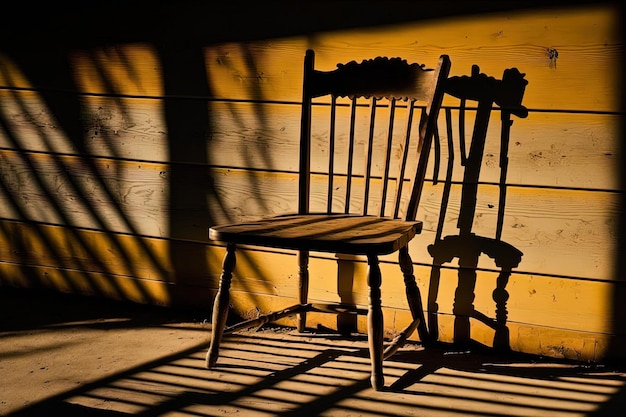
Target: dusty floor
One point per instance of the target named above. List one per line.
(74, 356)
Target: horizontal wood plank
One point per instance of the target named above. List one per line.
(115, 159)
(267, 70)
(261, 273)
(501, 41)
(562, 232)
(545, 149)
(262, 276)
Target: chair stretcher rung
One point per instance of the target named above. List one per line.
(268, 318)
(400, 339)
(338, 308)
(334, 308)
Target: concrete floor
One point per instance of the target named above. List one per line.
(75, 356)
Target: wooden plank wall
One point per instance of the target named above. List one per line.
(119, 151)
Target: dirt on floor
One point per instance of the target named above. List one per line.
(79, 356)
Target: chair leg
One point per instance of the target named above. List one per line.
(433, 306)
(375, 323)
(303, 277)
(463, 306)
(501, 340)
(221, 306)
(413, 295)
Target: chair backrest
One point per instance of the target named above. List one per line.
(484, 91)
(354, 163)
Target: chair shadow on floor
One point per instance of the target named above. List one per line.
(284, 373)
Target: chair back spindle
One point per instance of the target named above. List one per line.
(378, 155)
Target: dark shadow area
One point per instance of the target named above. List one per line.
(196, 22)
(25, 309)
(37, 37)
(79, 177)
(281, 373)
(486, 91)
(619, 295)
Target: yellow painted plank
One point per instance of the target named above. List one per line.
(538, 300)
(124, 196)
(78, 256)
(139, 258)
(545, 149)
(559, 232)
(494, 42)
(87, 283)
(115, 69)
(544, 341)
(127, 128)
(560, 295)
(272, 69)
(127, 69)
(575, 306)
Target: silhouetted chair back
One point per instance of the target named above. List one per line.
(484, 92)
(360, 181)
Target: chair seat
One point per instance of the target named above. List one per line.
(343, 233)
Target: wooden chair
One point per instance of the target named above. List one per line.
(374, 214)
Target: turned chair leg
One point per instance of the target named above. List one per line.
(375, 323)
(413, 295)
(303, 282)
(432, 306)
(221, 306)
(501, 340)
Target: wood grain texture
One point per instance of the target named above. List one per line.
(274, 273)
(70, 190)
(263, 275)
(545, 149)
(578, 225)
(116, 157)
(129, 197)
(499, 41)
(267, 70)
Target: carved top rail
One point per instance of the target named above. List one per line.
(506, 93)
(379, 77)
